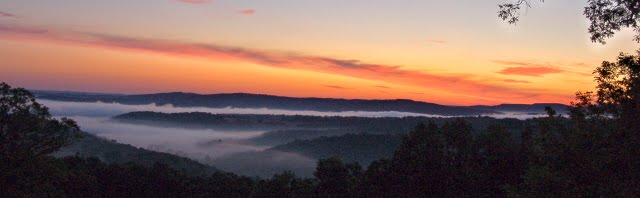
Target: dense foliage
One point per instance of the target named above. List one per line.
(594, 154)
(111, 152)
(27, 134)
(361, 148)
(606, 17)
(26, 127)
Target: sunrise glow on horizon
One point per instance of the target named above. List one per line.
(447, 52)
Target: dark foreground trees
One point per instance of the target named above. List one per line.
(27, 134)
(26, 127)
(593, 153)
(448, 161)
(606, 17)
(598, 152)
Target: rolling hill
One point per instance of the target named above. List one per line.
(244, 100)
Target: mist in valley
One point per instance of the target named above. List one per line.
(101, 109)
(226, 150)
(230, 150)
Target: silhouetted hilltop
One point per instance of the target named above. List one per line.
(111, 152)
(243, 100)
(362, 148)
(529, 108)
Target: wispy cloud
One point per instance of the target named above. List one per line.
(382, 86)
(580, 64)
(336, 87)
(515, 63)
(528, 69)
(439, 41)
(195, 1)
(247, 11)
(463, 85)
(515, 81)
(8, 15)
(17, 30)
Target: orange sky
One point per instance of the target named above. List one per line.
(222, 46)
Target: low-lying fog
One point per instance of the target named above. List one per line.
(112, 109)
(102, 109)
(223, 149)
(192, 143)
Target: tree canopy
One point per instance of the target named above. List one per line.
(606, 16)
(27, 128)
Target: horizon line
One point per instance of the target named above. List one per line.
(263, 94)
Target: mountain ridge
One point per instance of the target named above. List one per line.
(249, 100)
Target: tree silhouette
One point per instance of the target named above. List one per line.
(26, 127)
(337, 179)
(606, 16)
(28, 134)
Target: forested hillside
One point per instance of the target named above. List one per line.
(242, 100)
(111, 152)
(361, 148)
(381, 125)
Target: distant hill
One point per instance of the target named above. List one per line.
(112, 152)
(529, 108)
(298, 126)
(248, 122)
(287, 128)
(354, 139)
(243, 100)
(361, 148)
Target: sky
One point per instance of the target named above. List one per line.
(455, 52)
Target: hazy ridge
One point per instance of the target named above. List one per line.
(243, 100)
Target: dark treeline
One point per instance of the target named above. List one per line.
(303, 125)
(78, 176)
(353, 139)
(444, 160)
(362, 148)
(592, 153)
(257, 121)
(112, 152)
(243, 100)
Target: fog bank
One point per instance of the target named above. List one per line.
(227, 150)
(102, 109)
